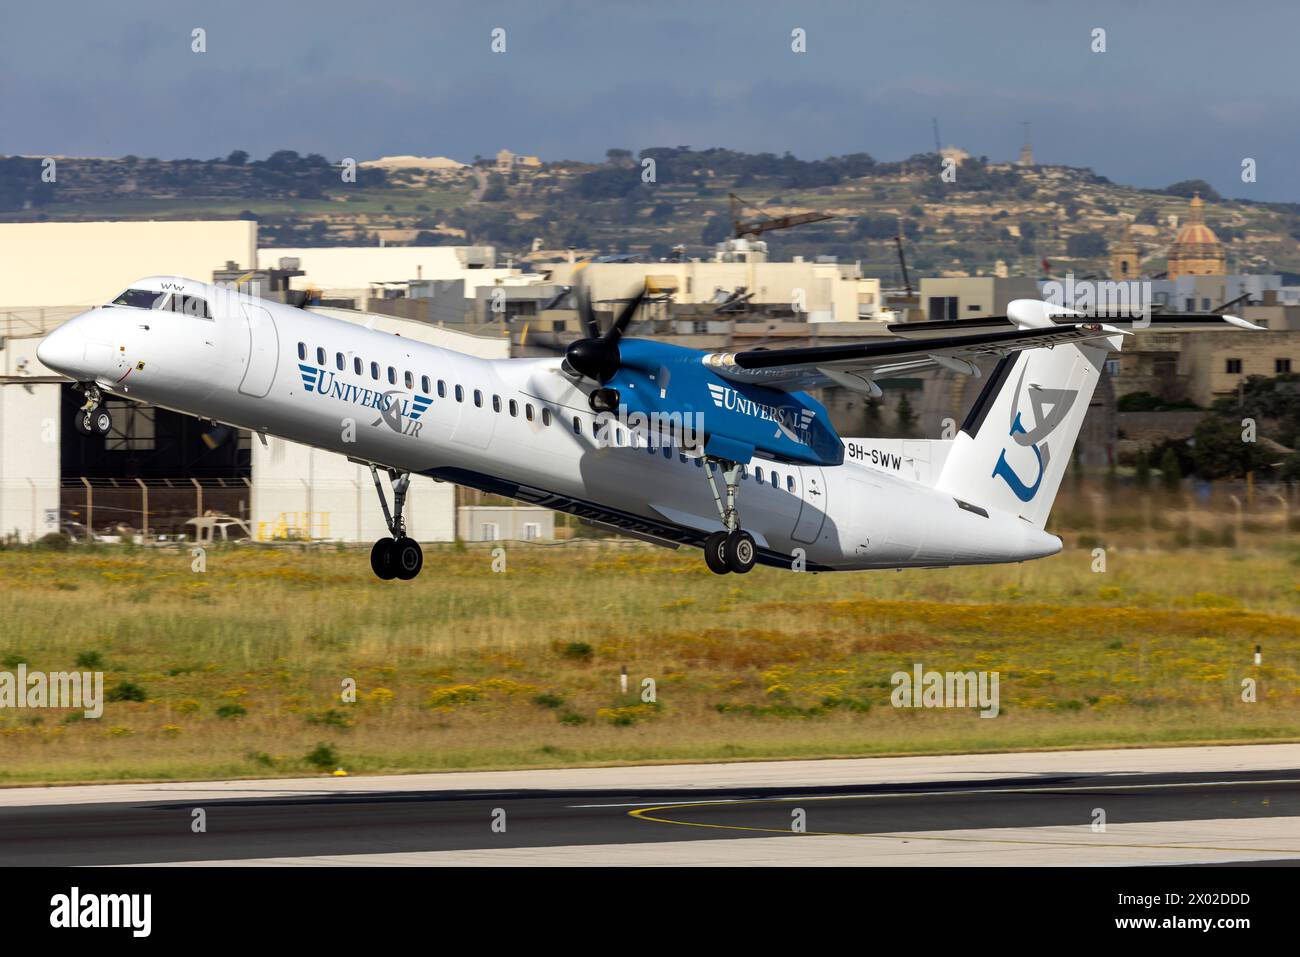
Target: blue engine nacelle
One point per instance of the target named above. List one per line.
(666, 387)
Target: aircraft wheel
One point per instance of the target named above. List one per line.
(84, 423)
(101, 421)
(383, 559)
(408, 558)
(738, 551)
(714, 557)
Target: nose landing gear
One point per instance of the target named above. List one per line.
(92, 418)
(397, 557)
(732, 550)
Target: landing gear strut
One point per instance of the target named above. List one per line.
(399, 556)
(92, 418)
(731, 550)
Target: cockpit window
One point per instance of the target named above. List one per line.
(169, 301)
(140, 299)
(188, 306)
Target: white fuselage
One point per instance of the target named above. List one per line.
(530, 435)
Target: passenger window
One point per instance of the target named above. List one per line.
(668, 452)
(776, 483)
(424, 384)
(442, 389)
(514, 408)
(618, 436)
(460, 394)
(789, 483)
(338, 360)
(356, 365)
(478, 399)
(374, 370)
(758, 474)
(546, 416)
(577, 426)
(410, 379)
(496, 403)
(392, 376)
(302, 351)
(320, 356)
(528, 411)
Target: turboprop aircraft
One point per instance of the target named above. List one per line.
(722, 451)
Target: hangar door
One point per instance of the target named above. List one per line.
(262, 351)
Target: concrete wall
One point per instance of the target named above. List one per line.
(301, 492)
(509, 523)
(829, 290)
(353, 270)
(29, 443)
(55, 264)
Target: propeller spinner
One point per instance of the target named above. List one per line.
(597, 356)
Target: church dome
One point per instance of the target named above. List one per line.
(1196, 250)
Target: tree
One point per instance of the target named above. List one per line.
(1086, 245)
(1142, 469)
(496, 189)
(1170, 472)
(1188, 187)
(906, 417)
(237, 158)
(1219, 452)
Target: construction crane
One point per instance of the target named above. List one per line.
(757, 227)
(902, 260)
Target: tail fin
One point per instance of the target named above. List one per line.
(1013, 448)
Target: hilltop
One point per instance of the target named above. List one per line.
(993, 212)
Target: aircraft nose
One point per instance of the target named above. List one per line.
(63, 350)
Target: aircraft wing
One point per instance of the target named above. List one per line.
(1156, 322)
(855, 365)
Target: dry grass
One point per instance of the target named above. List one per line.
(468, 668)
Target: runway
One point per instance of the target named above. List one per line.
(1146, 806)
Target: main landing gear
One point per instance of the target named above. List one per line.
(92, 418)
(732, 550)
(399, 556)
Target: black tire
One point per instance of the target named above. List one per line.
(383, 560)
(714, 557)
(101, 422)
(83, 423)
(739, 551)
(408, 558)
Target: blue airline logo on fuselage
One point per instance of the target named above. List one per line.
(393, 405)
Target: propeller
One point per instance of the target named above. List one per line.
(597, 356)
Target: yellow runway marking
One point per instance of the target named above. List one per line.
(644, 814)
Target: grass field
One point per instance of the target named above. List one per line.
(238, 670)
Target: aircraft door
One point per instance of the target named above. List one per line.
(812, 505)
(261, 351)
(475, 418)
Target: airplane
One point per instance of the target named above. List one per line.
(657, 441)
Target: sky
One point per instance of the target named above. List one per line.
(1183, 90)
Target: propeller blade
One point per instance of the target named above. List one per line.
(624, 318)
(585, 313)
